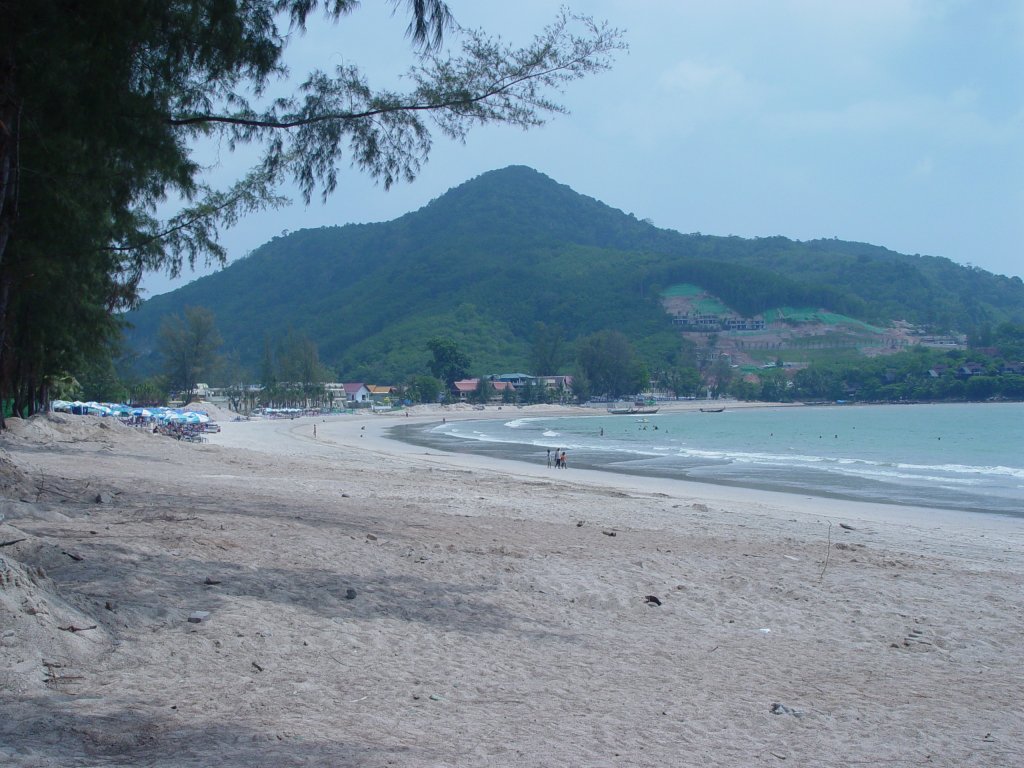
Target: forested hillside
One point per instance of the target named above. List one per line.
(489, 259)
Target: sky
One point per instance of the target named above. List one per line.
(898, 123)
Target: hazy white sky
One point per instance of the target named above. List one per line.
(894, 122)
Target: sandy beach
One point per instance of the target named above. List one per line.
(271, 598)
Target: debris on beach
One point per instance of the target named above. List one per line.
(73, 628)
(781, 709)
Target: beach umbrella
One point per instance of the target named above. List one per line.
(187, 417)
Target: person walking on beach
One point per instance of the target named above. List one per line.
(549, 458)
(561, 459)
(314, 431)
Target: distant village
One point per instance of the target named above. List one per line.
(727, 347)
(347, 396)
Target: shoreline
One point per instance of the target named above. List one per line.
(751, 486)
(269, 597)
(409, 433)
(370, 433)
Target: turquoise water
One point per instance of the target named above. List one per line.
(955, 456)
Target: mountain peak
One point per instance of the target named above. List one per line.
(516, 199)
(491, 257)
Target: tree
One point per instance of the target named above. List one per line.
(721, 376)
(547, 352)
(484, 391)
(232, 377)
(773, 385)
(581, 389)
(424, 389)
(189, 343)
(78, 198)
(448, 363)
(531, 392)
(681, 380)
(99, 381)
(981, 387)
(299, 364)
(610, 364)
(268, 366)
(1009, 339)
(151, 391)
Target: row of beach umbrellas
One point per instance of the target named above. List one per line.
(156, 413)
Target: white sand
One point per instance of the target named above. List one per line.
(495, 621)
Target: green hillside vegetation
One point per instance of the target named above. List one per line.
(485, 262)
(711, 306)
(684, 289)
(808, 315)
(924, 290)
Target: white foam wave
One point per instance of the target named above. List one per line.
(966, 469)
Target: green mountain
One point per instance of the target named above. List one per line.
(490, 258)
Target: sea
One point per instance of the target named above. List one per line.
(967, 457)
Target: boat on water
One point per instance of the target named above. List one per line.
(711, 410)
(639, 408)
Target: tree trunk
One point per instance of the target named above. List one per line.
(10, 114)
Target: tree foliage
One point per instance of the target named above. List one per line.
(495, 256)
(101, 105)
(290, 373)
(609, 362)
(919, 374)
(448, 364)
(189, 344)
(680, 380)
(547, 352)
(424, 389)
